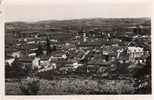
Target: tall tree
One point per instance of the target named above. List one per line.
(137, 30)
(54, 48)
(48, 46)
(39, 51)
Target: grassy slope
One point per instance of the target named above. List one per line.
(76, 86)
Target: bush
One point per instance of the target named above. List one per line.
(114, 87)
(15, 70)
(30, 86)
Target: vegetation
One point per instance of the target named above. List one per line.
(29, 86)
(48, 46)
(72, 86)
(15, 70)
(39, 51)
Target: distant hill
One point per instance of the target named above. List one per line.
(77, 24)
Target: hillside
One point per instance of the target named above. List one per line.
(78, 24)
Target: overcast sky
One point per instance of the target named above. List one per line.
(19, 10)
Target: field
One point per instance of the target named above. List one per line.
(75, 86)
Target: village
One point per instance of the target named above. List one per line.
(97, 54)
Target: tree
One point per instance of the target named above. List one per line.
(148, 65)
(137, 30)
(39, 51)
(54, 48)
(7, 70)
(143, 76)
(16, 70)
(48, 46)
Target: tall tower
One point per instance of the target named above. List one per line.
(84, 37)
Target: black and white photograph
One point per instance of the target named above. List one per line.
(77, 48)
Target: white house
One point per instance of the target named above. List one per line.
(50, 67)
(76, 65)
(16, 54)
(135, 52)
(119, 51)
(43, 63)
(10, 61)
(58, 57)
(36, 63)
(32, 54)
(84, 37)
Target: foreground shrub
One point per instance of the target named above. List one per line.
(114, 87)
(29, 86)
(17, 70)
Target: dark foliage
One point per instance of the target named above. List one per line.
(30, 88)
(39, 51)
(15, 70)
(48, 46)
(143, 76)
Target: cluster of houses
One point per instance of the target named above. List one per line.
(89, 49)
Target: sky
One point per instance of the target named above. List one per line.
(28, 10)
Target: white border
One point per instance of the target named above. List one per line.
(72, 97)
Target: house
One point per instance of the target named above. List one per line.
(50, 67)
(140, 60)
(135, 52)
(58, 56)
(123, 59)
(36, 63)
(32, 54)
(43, 64)
(76, 65)
(31, 42)
(10, 61)
(16, 54)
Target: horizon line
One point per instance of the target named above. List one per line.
(78, 19)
